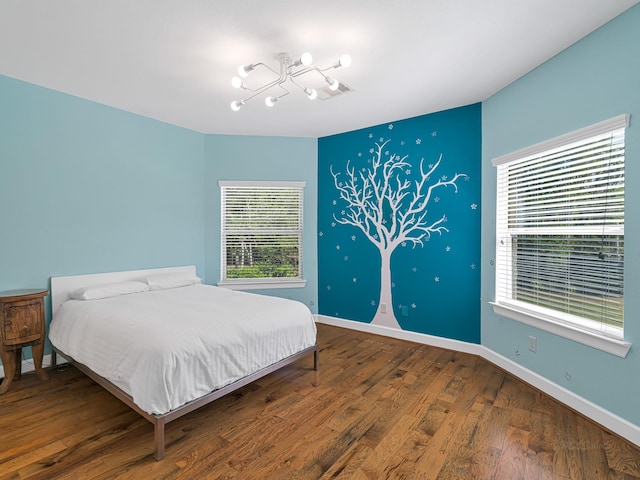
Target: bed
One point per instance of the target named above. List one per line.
(165, 344)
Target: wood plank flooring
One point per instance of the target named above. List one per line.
(382, 408)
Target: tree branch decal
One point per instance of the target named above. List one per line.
(389, 208)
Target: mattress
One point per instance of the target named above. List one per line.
(166, 348)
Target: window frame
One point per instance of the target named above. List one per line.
(528, 313)
(260, 283)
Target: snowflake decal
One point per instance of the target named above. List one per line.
(373, 303)
(414, 269)
(474, 206)
(354, 279)
(436, 279)
(329, 288)
(335, 202)
(337, 247)
(320, 234)
(346, 258)
(413, 305)
(473, 266)
(371, 135)
(434, 133)
(333, 224)
(418, 141)
(353, 238)
(391, 126)
(447, 248)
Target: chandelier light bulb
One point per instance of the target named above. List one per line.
(236, 82)
(345, 60)
(243, 70)
(333, 83)
(236, 104)
(306, 59)
(311, 93)
(270, 101)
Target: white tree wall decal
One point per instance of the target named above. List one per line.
(390, 210)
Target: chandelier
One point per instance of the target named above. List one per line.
(290, 71)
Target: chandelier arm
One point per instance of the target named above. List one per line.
(262, 89)
(267, 67)
(303, 71)
(258, 90)
(284, 94)
(301, 87)
(331, 67)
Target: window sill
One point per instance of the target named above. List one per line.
(261, 284)
(614, 346)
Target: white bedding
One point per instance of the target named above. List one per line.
(168, 347)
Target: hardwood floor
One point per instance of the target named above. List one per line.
(383, 408)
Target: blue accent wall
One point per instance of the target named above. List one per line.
(595, 79)
(230, 157)
(435, 271)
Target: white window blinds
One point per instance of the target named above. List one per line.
(261, 230)
(560, 229)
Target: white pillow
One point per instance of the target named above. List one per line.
(95, 292)
(161, 281)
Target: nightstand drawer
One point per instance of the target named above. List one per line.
(21, 323)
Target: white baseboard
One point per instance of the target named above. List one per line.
(607, 419)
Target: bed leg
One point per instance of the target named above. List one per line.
(54, 359)
(158, 436)
(316, 359)
(316, 366)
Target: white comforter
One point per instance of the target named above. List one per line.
(168, 347)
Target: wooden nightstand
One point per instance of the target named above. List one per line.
(21, 325)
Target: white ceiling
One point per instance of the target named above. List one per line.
(173, 60)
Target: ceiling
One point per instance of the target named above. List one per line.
(173, 60)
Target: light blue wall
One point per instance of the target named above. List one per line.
(229, 157)
(87, 188)
(595, 79)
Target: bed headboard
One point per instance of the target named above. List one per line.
(61, 287)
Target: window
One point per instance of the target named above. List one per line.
(262, 234)
(560, 233)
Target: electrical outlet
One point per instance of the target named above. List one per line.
(383, 308)
(533, 344)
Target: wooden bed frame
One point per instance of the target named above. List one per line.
(60, 289)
